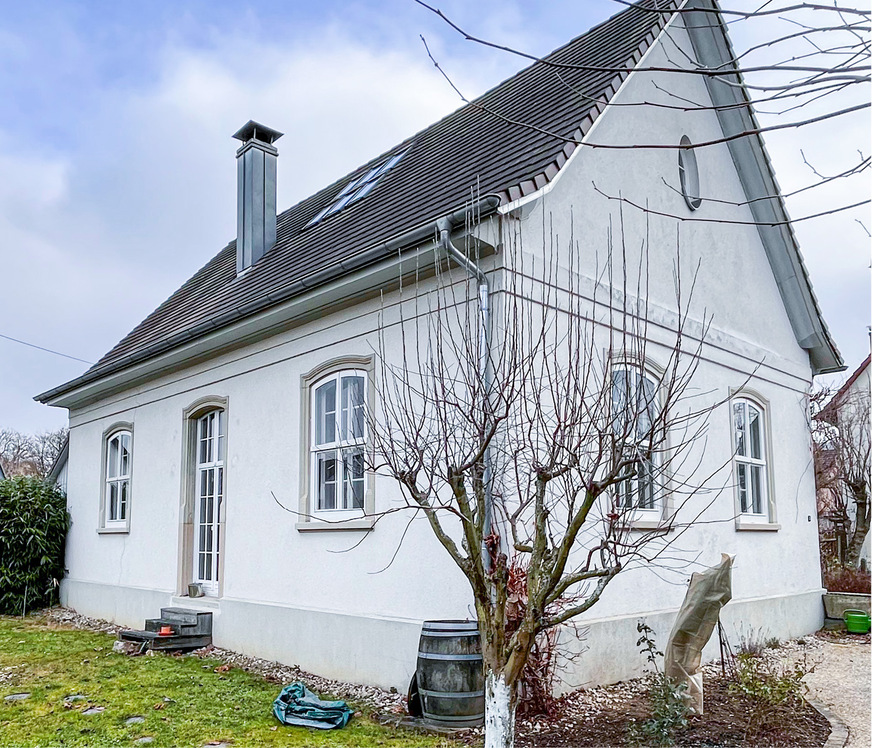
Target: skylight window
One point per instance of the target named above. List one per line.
(356, 189)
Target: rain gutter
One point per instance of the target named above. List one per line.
(484, 341)
(480, 208)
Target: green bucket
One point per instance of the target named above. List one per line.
(857, 621)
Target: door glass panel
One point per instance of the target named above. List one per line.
(325, 413)
(326, 472)
(112, 461)
(122, 508)
(352, 408)
(756, 489)
(754, 440)
(741, 471)
(739, 425)
(353, 484)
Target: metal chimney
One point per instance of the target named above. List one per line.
(256, 193)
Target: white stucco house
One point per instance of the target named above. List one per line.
(229, 393)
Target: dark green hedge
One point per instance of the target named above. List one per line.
(33, 532)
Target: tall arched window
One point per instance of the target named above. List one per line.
(634, 408)
(117, 478)
(208, 499)
(337, 440)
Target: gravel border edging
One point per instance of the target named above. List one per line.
(838, 729)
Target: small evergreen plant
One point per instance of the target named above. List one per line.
(33, 531)
(668, 704)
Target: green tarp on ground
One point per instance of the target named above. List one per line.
(297, 705)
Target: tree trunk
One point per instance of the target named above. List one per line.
(861, 526)
(499, 712)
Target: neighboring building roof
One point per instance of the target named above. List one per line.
(468, 154)
(829, 412)
(60, 461)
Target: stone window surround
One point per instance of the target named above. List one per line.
(119, 527)
(631, 360)
(308, 520)
(190, 419)
(742, 520)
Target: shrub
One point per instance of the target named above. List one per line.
(33, 530)
(766, 682)
(846, 579)
(667, 698)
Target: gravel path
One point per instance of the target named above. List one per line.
(840, 681)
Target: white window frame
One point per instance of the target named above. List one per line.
(751, 514)
(343, 446)
(652, 485)
(207, 530)
(344, 516)
(688, 174)
(115, 477)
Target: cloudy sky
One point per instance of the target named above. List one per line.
(117, 170)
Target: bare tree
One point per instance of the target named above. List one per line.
(842, 448)
(30, 454)
(526, 420)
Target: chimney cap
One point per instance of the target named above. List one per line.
(252, 130)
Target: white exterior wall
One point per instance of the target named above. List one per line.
(776, 574)
(298, 598)
(302, 578)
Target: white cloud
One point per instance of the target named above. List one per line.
(99, 236)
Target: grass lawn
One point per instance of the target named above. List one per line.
(183, 700)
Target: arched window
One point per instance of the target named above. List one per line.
(337, 440)
(749, 443)
(688, 173)
(208, 499)
(118, 461)
(634, 410)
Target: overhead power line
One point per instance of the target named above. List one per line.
(47, 350)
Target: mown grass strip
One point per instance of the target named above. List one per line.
(183, 701)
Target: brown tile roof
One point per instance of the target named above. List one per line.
(468, 153)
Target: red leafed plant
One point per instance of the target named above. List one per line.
(536, 684)
(846, 579)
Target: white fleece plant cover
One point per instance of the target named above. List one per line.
(707, 593)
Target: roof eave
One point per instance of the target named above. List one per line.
(66, 395)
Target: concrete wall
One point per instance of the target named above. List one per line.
(352, 612)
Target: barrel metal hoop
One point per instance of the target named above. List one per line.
(433, 656)
(449, 634)
(450, 625)
(472, 720)
(451, 694)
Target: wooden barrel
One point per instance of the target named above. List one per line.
(451, 674)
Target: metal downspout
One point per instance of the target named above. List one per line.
(444, 226)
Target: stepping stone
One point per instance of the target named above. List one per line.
(75, 697)
(17, 697)
(134, 720)
(144, 741)
(95, 710)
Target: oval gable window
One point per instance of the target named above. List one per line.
(688, 173)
